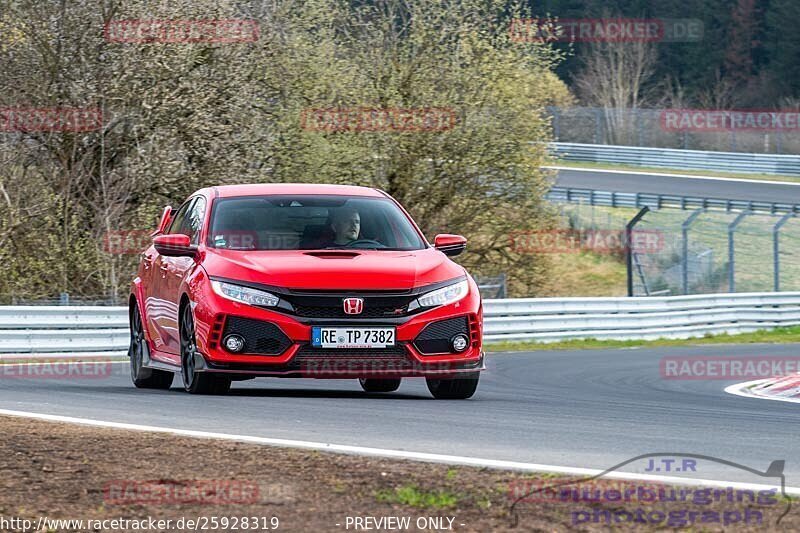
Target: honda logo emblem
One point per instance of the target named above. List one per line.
(353, 306)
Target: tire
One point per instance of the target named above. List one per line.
(196, 382)
(143, 378)
(459, 388)
(379, 385)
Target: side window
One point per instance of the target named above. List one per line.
(177, 224)
(194, 220)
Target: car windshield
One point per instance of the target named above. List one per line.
(311, 222)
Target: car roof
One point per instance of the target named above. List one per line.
(229, 191)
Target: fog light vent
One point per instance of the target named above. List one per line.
(459, 343)
(437, 337)
(234, 343)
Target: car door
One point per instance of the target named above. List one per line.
(159, 305)
(147, 266)
(176, 269)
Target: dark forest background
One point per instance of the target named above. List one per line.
(749, 54)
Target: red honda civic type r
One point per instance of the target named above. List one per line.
(302, 280)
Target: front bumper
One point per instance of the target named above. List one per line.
(345, 368)
(296, 358)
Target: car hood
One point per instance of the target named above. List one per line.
(333, 269)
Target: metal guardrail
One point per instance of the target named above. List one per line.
(63, 331)
(100, 331)
(644, 318)
(784, 165)
(658, 201)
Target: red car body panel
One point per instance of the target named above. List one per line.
(162, 282)
(364, 269)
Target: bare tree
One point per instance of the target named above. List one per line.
(613, 77)
(721, 94)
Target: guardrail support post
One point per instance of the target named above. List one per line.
(628, 249)
(685, 259)
(732, 251)
(776, 261)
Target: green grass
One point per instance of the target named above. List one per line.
(585, 274)
(777, 335)
(687, 172)
(415, 497)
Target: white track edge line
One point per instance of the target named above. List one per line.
(740, 389)
(667, 175)
(394, 454)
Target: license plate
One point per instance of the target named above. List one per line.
(323, 337)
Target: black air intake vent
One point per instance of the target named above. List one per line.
(435, 338)
(259, 337)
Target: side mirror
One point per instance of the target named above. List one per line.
(176, 245)
(166, 217)
(450, 245)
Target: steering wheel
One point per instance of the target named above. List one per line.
(357, 242)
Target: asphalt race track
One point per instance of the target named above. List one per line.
(758, 191)
(593, 409)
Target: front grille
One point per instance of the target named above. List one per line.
(259, 337)
(330, 306)
(338, 312)
(435, 338)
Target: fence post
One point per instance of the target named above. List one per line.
(685, 259)
(638, 122)
(732, 251)
(63, 298)
(598, 132)
(556, 123)
(628, 248)
(776, 261)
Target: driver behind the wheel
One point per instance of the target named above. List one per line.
(346, 225)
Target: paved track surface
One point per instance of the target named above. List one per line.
(593, 408)
(672, 185)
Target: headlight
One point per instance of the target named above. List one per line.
(445, 295)
(245, 295)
